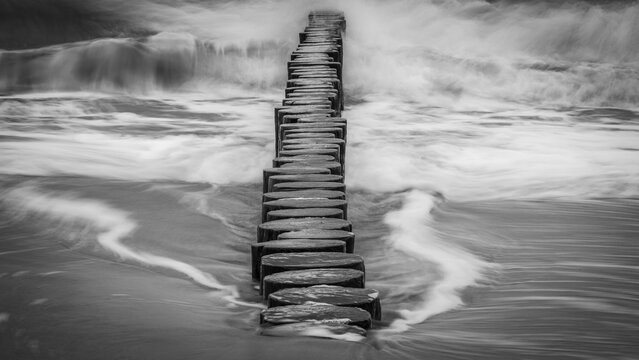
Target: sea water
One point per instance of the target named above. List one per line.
(492, 174)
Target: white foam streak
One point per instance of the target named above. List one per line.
(218, 141)
(459, 269)
(523, 154)
(114, 225)
(187, 158)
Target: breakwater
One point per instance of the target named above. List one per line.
(303, 258)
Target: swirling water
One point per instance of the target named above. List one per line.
(493, 176)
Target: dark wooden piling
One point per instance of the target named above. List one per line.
(284, 262)
(322, 234)
(302, 203)
(303, 185)
(269, 230)
(335, 167)
(311, 194)
(304, 213)
(295, 245)
(281, 262)
(310, 277)
(276, 179)
(304, 250)
(317, 313)
(267, 173)
(365, 299)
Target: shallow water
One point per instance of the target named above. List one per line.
(492, 176)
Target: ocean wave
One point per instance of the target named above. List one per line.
(435, 52)
(165, 61)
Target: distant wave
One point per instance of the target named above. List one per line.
(35, 23)
(106, 64)
(437, 52)
(162, 61)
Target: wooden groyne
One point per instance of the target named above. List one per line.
(303, 258)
